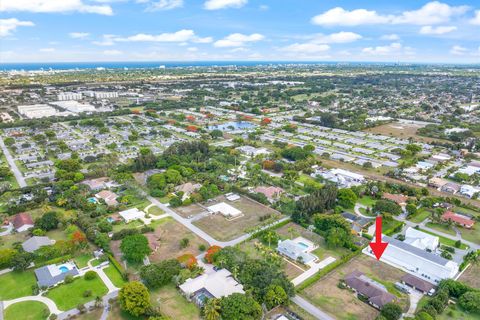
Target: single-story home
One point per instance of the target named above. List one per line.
(131, 214)
(418, 284)
(298, 249)
(211, 285)
(22, 222)
(225, 209)
(187, 189)
(399, 199)
(459, 219)
(108, 196)
(451, 187)
(421, 239)
(35, 243)
(272, 193)
(53, 274)
(376, 293)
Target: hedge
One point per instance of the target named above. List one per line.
(395, 229)
(320, 274)
(117, 265)
(53, 261)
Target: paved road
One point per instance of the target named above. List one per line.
(1, 310)
(310, 308)
(16, 172)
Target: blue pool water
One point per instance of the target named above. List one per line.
(232, 126)
(63, 269)
(110, 219)
(303, 245)
(92, 200)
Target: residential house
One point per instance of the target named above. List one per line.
(416, 283)
(399, 199)
(187, 189)
(131, 215)
(22, 222)
(211, 285)
(35, 243)
(421, 239)
(51, 275)
(226, 210)
(451, 187)
(469, 191)
(376, 293)
(298, 249)
(458, 219)
(272, 193)
(358, 223)
(109, 197)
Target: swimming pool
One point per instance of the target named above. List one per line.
(63, 269)
(303, 245)
(110, 219)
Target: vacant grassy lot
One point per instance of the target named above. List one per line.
(174, 305)
(420, 216)
(16, 284)
(222, 229)
(328, 297)
(401, 130)
(168, 234)
(441, 227)
(92, 315)
(470, 276)
(472, 235)
(190, 210)
(68, 296)
(118, 314)
(82, 260)
(28, 310)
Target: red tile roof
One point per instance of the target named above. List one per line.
(397, 198)
(22, 219)
(458, 218)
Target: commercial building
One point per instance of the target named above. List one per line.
(74, 106)
(66, 96)
(37, 111)
(420, 263)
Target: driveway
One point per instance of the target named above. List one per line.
(310, 308)
(415, 297)
(314, 268)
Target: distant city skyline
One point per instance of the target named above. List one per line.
(239, 30)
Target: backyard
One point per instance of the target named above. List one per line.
(470, 276)
(173, 305)
(327, 296)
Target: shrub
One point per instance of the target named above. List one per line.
(68, 279)
(87, 293)
(90, 275)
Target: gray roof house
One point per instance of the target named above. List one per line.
(295, 251)
(53, 274)
(34, 243)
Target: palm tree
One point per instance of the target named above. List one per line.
(211, 309)
(291, 230)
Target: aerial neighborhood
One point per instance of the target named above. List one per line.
(247, 192)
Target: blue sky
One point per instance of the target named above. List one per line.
(178, 30)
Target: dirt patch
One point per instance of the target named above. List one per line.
(224, 230)
(190, 210)
(326, 294)
(470, 276)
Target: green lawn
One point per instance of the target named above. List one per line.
(309, 181)
(131, 225)
(441, 227)
(420, 216)
(173, 304)
(16, 284)
(472, 235)
(28, 310)
(81, 260)
(445, 241)
(156, 211)
(68, 296)
(114, 276)
(457, 313)
(389, 224)
(367, 201)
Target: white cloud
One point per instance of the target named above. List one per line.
(164, 5)
(476, 19)
(342, 17)
(264, 7)
(383, 50)
(108, 40)
(202, 40)
(437, 30)
(223, 4)
(431, 13)
(79, 35)
(112, 52)
(179, 36)
(44, 6)
(339, 37)
(192, 49)
(7, 26)
(390, 37)
(458, 50)
(238, 40)
(47, 50)
(306, 48)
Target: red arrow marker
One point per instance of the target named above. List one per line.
(378, 247)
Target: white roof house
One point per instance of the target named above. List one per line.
(131, 214)
(225, 209)
(218, 284)
(421, 239)
(420, 263)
